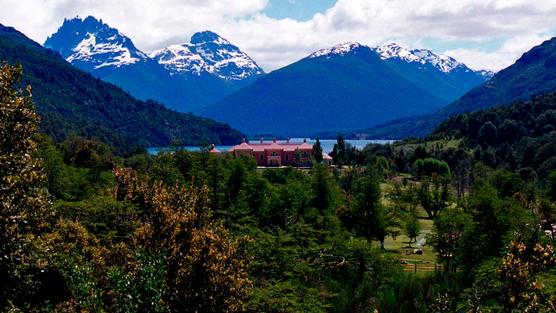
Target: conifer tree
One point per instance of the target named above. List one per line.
(371, 220)
(340, 154)
(317, 150)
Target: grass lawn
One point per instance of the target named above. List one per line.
(399, 245)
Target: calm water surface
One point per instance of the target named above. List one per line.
(327, 145)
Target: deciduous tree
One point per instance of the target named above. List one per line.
(205, 269)
(24, 203)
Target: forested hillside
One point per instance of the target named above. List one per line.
(520, 136)
(73, 103)
(532, 74)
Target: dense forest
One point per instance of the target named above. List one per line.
(73, 103)
(517, 137)
(416, 226)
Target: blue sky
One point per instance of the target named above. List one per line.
(484, 34)
(304, 10)
(301, 10)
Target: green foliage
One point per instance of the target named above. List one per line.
(104, 217)
(515, 136)
(323, 192)
(287, 297)
(446, 238)
(551, 184)
(412, 227)
(339, 152)
(434, 196)
(185, 232)
(488, 134)
(430, 166)
(369, 216)
(317, 151)
(25, 212)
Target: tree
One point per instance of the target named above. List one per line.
(401, 161)
(434, 198)
(488, 134)
(339, 153)
(24, 203)
(53, 165)
(420, 153)
(551, 184)
(370, 218)
(205, 269)
(449, 228)
(430, 166)
(323, 193)
(523, 292)
(412, 227)
(462, 172)
(317, 151)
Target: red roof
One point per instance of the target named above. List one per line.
(261, 147)
(243, 146)
(305, 146)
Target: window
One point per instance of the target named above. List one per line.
(286, 157)
(261, 157)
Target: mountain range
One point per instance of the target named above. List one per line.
(534, 73)
(342, 88)
(74, 103)
(346, 87)
(183, 76)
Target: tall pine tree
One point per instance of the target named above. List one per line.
(317, 151)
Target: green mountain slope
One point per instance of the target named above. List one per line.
(517, 136)
(328, 92)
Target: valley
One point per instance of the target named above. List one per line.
(315, 169)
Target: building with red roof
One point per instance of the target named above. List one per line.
(276, 153)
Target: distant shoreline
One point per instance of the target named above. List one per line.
(327, 145)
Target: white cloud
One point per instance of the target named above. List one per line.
(506, 55)
(274, 43)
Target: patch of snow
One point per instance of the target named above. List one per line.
(486, 73)
(443, 63)
(104, 53)
(217, 57)
(340, 49)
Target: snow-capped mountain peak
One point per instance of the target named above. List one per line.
(207, 52)
(114, 54)
(443, 63)
(95, 43)
(340, 49)
(208, 36)
(486, 73)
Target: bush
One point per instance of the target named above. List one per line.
(430, 166)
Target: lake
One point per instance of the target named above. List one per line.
(327, 145)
